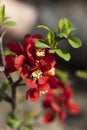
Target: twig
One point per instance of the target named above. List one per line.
(6, 97)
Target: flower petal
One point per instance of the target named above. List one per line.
(43, 80)
(62, 116)
(9, 60)
(48, 117)
(34, 95)
(44, 87)
(30, 83)
(55, 106)
(19, 61)
(24, 73)
(14, 48)
(53, 82)
(73, 108)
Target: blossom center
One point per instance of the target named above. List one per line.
(43, 92)
(51, 71)
(40, 52)
(36, 74)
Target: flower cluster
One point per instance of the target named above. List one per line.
(56, 102)
(36, 65)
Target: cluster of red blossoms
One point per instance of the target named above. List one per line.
(36, 66)
(57, 102)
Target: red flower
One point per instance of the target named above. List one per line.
(17, 59)
(48, 117)
(56, 101)
(33, 93)
(28, 55)
(36, 64)
(42, 84)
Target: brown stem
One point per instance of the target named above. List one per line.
(13, 89)
(6, 97)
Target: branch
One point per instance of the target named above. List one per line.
(6, 97)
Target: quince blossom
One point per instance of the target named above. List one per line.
(56, 102)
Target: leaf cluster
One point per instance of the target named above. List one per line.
(3, 19)
(25, 122)
(64, 31)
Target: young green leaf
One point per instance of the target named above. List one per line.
(63, 54)
(2, 12)
(41, 44)
(60, 26)
(51, 38)
(52, 50)
(44, 27)
(75, 42)
(9, 23)
(67, 23)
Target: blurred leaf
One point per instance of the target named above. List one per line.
(63, 54)
(2, 12)
(75, 42)
(26, 127)
(82, 74)
(9, 23)
(41, 44)
(5, 85)
(29, 118)
(12, 121)
(5, 18)
(63, 75)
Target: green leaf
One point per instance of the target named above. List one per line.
(44, 27)
(52, 50)
(9, 24)
(26, 127)
(51, 38)
(63, 75)
(28, 119)
(5, 85)
(12, 121)
(61, 35)
(82, 74)
(63, 54)
(75, 42)
(41, 44)
(2, 12)
(61, 26)
(71, 29)
(67, 23)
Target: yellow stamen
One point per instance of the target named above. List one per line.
(43, 92)
(40, 52)
(36, 74)
(51, 71)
